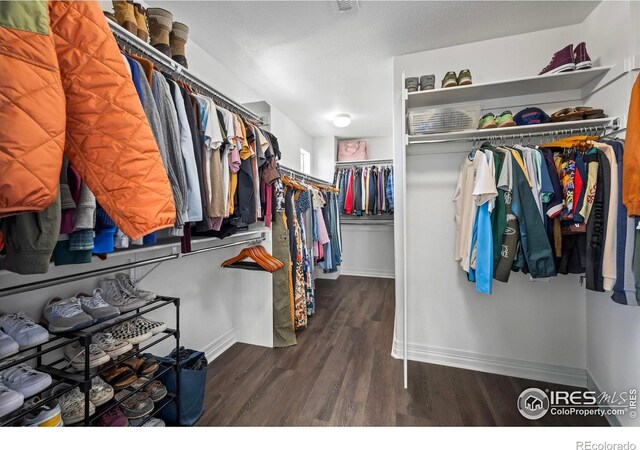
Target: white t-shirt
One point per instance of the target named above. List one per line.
(475, 186)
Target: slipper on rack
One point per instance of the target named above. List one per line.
(567, 115)
(120, 377)
(141, 366)
(591, 113)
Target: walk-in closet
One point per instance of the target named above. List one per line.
(321, 214)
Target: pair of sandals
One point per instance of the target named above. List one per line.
(130, 371)
(577, 113)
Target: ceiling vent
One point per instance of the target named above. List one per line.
(347, 6)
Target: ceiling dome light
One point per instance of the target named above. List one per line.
(342, 120)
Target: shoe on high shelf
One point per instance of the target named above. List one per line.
(464, 77)
(95, 305)
(112, 346)
(450, 80)
(10, 400)
(127, 285)
(581, 57)
(72, 404)
(100, 392)
(427, 82)
(25, 380)
(23, 330)
(63, 315)
(115, 296)
(74, 353)
(47, 415)
(487, 121)
(562, 61)
(8, 346)
(505, 120)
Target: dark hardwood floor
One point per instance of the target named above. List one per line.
(341, 373)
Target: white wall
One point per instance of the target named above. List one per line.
(379, 147)
(537, 330)
(291, 139)
(324, 157)
(367, 250)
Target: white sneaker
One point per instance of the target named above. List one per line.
(72, 405)
(74, 353)
(47, 415)
(129, 332)
(96, 307)
(112, 346)
(100, 392)
(127, 285)
(8, 346)
(149, 325)
(114, 295)
(23, 330)
(24, 379)
(10, 400)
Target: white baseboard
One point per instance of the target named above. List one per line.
(592, 385)
(217, 347)
(493, 364)
(373, 273)
(319, 274)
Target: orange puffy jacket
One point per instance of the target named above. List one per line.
(64, 87)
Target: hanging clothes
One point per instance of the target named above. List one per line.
(365, 190)
(558, 209)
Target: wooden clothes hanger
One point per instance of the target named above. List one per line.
(262, 260)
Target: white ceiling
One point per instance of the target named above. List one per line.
(312, 63)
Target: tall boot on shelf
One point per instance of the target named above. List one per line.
(160, 24)
(179, 37)
(141, 21)
(125, 16)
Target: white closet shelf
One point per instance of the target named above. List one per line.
(508, 88)
(524, 130)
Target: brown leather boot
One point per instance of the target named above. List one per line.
(141, 21)
(110, 16)
(160, 24)
(125, 16)
(179, 37)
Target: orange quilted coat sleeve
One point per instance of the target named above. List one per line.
(108, 138)
(631, 158)
(32, 119)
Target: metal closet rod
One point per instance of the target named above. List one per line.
(367, 221)
(136, 45)
(368, 162)
(501, 137)
(304, 176)
(107, 270)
